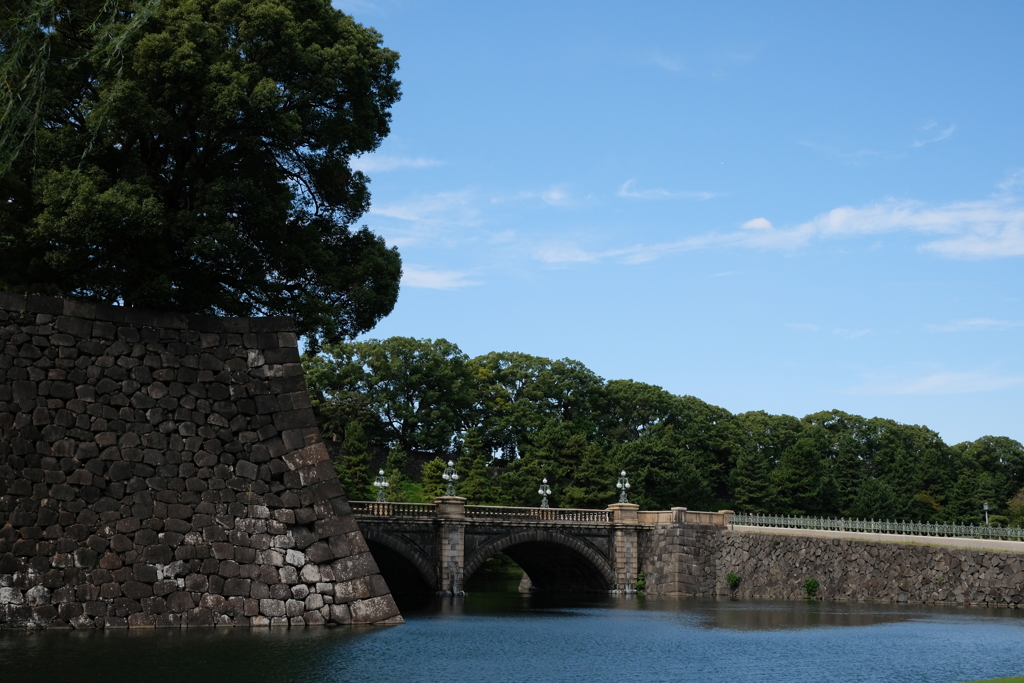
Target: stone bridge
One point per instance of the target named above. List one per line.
(437, 547)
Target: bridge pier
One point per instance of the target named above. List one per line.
(625, 545)
(451, 542)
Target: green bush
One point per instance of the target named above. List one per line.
(733, 580)
(641, 582)
(811, 587)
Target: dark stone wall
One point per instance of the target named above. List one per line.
(166, 470)
(776, 566)
(693, 559)
(678, 559)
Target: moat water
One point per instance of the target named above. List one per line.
(517, 638)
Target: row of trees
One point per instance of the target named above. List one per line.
(510, 419)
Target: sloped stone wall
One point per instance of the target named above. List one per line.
(164, 470)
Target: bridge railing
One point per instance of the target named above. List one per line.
(362, 507)
(537, 514)
(881, 526)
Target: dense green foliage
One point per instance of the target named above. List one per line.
(193, 155)
(510, 419)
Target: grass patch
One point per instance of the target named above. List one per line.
(1013, 679)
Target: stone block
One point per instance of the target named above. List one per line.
(340, 614)
(272, 608)
(356, 589)
(374, 610)
(180, 601)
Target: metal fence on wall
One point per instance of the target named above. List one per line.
(872, 526)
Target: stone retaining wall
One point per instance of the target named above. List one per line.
(694, 559)
(776, 566)
(164, 470)
(678, 559)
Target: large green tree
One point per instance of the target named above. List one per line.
(414, 394)
(194, 155)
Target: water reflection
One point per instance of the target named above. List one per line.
(593, 638)
(721, 613)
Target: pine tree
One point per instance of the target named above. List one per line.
(963, 506)
(354, 468)
(475, 481)
(430, 478)
(796, 483)
(874, 500)
(750, 487)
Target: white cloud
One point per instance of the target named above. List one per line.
(435, 217)
(974, 324)
(983, 241)
(851, 334)
(942, 383)
(503, 237)
(555, 196)
(1014, 180)
(627, 190)
(429, 207)
(644, 253)
(564, 252)
(857, 157)
(666, 62)
(758, 224)
(980, 229)
(373, 163)
(941, 136)
(426, 278)
(986, 228)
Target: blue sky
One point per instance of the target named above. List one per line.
(790, 207)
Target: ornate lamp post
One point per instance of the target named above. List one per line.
(623, 486)
(544, 491)
(381, 482)
(450, 476)
(984, 506)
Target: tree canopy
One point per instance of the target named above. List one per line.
(194, 155)
(510, 419)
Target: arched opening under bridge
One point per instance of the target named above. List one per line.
(555, 562)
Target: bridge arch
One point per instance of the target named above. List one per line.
(553, 560)
(404, 566)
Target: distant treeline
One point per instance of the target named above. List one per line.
(510, 419)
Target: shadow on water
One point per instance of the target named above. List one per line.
(204, 654)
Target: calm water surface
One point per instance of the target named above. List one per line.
(503, 637)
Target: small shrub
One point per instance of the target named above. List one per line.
(811, 587)
(733, 580)
(641, 582)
